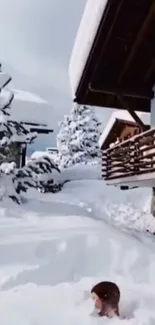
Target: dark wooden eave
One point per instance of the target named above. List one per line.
(34, 127)
(41, 130)
(122, 58)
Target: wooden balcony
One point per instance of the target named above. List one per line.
(131, 162)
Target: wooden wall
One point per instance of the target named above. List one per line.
(129, 131)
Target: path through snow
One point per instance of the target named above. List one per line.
(55, 248)
(47, 265)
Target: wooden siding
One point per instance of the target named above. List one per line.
(135, 156)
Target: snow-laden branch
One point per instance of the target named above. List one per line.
(4, 79)
(40, 174)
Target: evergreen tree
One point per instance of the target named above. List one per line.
(63, 141)
(77, 140)
(11, 132)
(38, 174)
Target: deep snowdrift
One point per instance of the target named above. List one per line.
(52, 250)
(128, 209)
(48, 265)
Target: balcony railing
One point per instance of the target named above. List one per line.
(135, 156)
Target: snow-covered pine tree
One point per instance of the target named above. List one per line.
(41, 173)
(63, 141)
(14, 180)
(77, 140)
(11, 132)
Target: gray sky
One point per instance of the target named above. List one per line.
(36, 39)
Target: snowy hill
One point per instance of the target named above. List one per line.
(55, 247)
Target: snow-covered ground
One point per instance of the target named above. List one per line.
(55, 247)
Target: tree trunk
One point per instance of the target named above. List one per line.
(153, 202)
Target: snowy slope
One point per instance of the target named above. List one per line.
(54, 248)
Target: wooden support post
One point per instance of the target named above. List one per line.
(153, 202)
(23, 158)
(136, 118)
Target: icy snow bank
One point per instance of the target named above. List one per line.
(81, 172)
(85, 37)
(121, 208)
(128, 209)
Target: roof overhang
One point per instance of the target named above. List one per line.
(114, 54)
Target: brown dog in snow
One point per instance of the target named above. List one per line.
(106, 296)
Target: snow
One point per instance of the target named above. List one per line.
(84, 40)
(26, 96)
(28, 107)
(77, 140)
(7, 168)
(54, 248)
(40, 154)
(122, 115)
(4, 80)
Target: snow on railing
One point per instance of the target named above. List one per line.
(132, 157)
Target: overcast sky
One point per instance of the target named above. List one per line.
(36, 39)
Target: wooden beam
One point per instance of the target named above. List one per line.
(33, 123)
(23, 158)
(140, 37)
(102, 101)
(141, 93)
(105, 42)
(149, 71)
(41, 130)
(136, 118)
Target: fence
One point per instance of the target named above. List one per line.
(132, 157)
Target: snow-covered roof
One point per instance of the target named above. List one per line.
(122, 115)
(28, 107)
(39, 154)
(26, 96)
(4, 80)
(85, 37)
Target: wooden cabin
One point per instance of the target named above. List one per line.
(120, 127)
(17, 150)
(115, 68)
